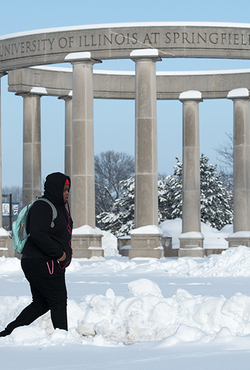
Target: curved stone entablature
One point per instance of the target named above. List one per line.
(54, 81)
(111, 41)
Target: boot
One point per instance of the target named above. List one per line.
(4, 333)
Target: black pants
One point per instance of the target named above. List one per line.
(48, 288)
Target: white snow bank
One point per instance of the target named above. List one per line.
(233, 262)
(212, 237)
(144, 316)
(8, 265)
(109, 244)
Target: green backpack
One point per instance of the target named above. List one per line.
(19, 232)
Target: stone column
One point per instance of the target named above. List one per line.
(1, 220)
(241, 227)
(32, 181)
(68, 138)
(191, 239)
(146, 243)
(83, 176)
(6, 244)
(68, 134)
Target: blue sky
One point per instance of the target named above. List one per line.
(114, 120)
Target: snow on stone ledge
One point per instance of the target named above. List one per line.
(39, 90)
(85, 230)
(238, 93)
(78, 56)
(240, 234)
(191, 235)
(144, 53)
(191, 94)
(158, 73)
(149, 229)
(125, 25)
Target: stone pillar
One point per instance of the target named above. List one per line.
(143, 242)
(32, 181)
(1, 220)
(68, 138)
(6, 244)
(191, 239)
(83, 176)
(241, 227)
(68, 134)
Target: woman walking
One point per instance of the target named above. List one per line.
(46, 254)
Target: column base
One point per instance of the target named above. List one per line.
(191, 245)
(4, 250)
(122, 242)
(87, 246)
(239, 238)
(146, 245)
(146, 253)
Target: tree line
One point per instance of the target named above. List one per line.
(115, 191)
(216, 200)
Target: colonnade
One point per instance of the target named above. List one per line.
(79, 156)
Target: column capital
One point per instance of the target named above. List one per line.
(82, 57)
(66, 97)
(242, 93)
(35, 91)
(142, 54)
(191, 95)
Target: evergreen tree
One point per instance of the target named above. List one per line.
(170, 195)
(215, 198)
(121, 219)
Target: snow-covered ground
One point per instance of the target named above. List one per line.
(137, 314)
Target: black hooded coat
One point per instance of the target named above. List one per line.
(41, 252)
(44, 241)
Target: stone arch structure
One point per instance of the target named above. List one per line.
(146, 44)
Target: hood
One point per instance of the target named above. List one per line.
(53, 187)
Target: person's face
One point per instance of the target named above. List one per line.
(66, 193)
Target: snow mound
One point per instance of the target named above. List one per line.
(145, 314)
(9, 265)
(233, 262)
(144, 287)
(143, 317)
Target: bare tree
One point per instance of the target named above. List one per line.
(225, 151)
(225, 156)
(110, 168)
(16, 192)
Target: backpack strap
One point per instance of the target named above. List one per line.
(54, 211)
